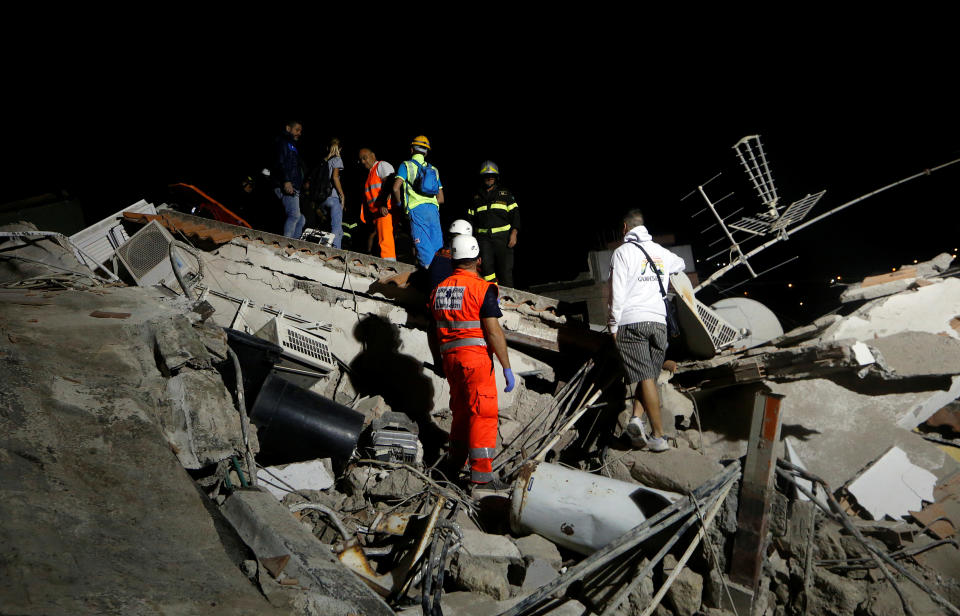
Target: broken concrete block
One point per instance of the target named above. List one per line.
(481, 575)
(358, 480)
(199, 419)
(534, 547)
(678, 469)
(674, 402)
(684, 595)
(686, 592)
(832, 594)
(883, 601)
(178, 344)
(892, 486)
(494, 547)
(400, 483)
(539, 573)
(270, 530)
(372, 407)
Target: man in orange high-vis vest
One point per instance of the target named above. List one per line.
(466, 309)
(377, 203)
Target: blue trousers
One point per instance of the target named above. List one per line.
(426, 232)
(293, 225)
(332, 203)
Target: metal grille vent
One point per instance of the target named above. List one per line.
(298, 344)
(310, 346)
(146, 249)
(721, 332)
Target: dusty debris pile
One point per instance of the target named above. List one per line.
(271, 417)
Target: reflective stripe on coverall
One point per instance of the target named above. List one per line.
(469, 369)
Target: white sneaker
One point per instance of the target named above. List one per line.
(638, 436)
(657, 444)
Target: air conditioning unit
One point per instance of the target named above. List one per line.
(146, 256)
(298, 344)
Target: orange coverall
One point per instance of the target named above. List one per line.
(469, 369)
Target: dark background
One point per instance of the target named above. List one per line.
(577, 142)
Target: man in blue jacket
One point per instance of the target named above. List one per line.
(289, 178)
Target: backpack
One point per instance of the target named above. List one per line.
(427, 182)
(320, 183)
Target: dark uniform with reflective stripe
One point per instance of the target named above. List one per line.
(494, 214)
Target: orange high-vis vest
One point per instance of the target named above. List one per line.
(371, 192)
(456, 306)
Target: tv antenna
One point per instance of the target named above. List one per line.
(774, 220)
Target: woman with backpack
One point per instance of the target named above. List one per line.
(335, 201)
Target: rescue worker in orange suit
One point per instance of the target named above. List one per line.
(496, 220)
(466, 310)
(378, 203)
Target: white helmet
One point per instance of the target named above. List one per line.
(460, 227)
(464, 247)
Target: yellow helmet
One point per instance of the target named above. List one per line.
(489, 168)
(421, 141)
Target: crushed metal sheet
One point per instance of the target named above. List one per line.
(893, 486)
(937, 519)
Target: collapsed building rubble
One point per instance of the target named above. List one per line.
(327, 353)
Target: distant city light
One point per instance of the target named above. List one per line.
(790, 285)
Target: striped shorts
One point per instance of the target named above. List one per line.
(642, 348)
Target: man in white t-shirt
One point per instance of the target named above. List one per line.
(638, 321)
(377, 202)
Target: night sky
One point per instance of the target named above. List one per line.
(578, 146)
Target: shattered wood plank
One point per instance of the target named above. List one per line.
(100, 314)
(901, 274)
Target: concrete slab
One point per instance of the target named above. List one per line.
(913, 354)
(96, 513)
(838, 432)
(270, 530)
(927, 309)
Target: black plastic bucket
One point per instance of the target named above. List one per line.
(257, 358)
(295, 424)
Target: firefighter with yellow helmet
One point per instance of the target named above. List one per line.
(496, 221)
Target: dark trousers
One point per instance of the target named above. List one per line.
(497, 259)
